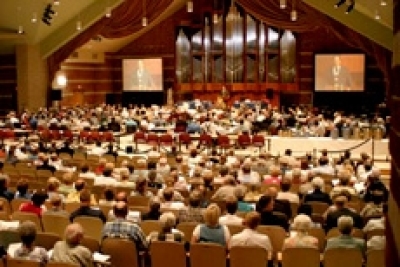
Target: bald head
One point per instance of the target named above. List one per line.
(121, 196)
(73, 234)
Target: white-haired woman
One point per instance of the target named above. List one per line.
(168, 231)
(300, 237)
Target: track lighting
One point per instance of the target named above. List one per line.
(48, 14)
(350, 7)
(338, 4)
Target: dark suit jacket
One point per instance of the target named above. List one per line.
(332, 218)
(318, 195)
(283, 206)
(87, 211)
(268, 218)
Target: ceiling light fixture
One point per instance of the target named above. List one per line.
(108, 12)
(383, 3)
(56, 2)
(282, 4)
(144, 19)
(20, 29)
(34, 17)
(377, 15)
(189, 6)
(79, 25)
(338, 4)
(293, 13)
(215, 18)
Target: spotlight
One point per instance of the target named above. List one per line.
(20, 29)
(351, 7)
(144, 21)
(56, 2)
(282, 4)
(48, 14)
(34, 18)
(293, 15)
(189, 6)
(338, 4)
(383, 3)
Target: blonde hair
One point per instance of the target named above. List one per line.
(212, 214)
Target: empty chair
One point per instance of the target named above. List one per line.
(343, 257)
(205, 140)
(122, 252)
(276, 234)
(244, 140)
(166, 140)
(27, 216)
(248, 256)
(300, 257)
(258, 141)
(223, 142)
(138, 201)
(206, 254)
(184, 139)
(139, 138)
(168, 254)
(16, 203)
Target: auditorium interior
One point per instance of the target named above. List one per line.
(66, 53)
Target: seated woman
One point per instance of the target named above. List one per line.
(141, 188)
(168, 231)
(22, 189)
(109, 196)
(26, 250)
(300, 238)
(35, 206)
(211, 231)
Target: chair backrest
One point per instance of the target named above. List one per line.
(276, 234)
(92, 244)
(210, 255)
(318, 207)
(248, 256)
(300, 257)
(6, 205)
(150, 226)
(319, 234)
(47, 240)
(343, 257)
(334, 232)
(8, 237)
(71, 206)
(22, 263)
(167, 254)
(235, 229)
(91, 225)
(187, 229)
(27, 216)
(55, 224)
(122, 252)
(375, 258)
(138, 201)
(60, 264)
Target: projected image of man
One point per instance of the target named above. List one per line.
(141, 78)
(338, 76)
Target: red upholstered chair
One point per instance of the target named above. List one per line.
(223, 142)
(205, 140)
(83, 136)
(45, 135)
(139, 138)
(166, 140)
(9, 134)
(67, 135)
(244, 140)
(55, 134)
(107, 137)
(152, 139)
(184, 138)
(258, 141)
(94, 136)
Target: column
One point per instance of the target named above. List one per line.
(32, 78)
(393, 222)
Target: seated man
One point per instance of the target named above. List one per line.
(169, 202)
(122, 228)
(70, 250)
(345, 240)
(342, 210)
(317, 194)
(249, 236)
(285, 193)
(230, 218)
(86, 210)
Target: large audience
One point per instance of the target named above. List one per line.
(213, 189)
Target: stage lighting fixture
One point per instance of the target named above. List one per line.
(338, 4)
(48, 14)
(350, 7)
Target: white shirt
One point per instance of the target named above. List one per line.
(101, 180)
(230, 219)
(376, 242)
(289, 196)
(249, 178)
(374, 224)
(250, 237)
(172, 205)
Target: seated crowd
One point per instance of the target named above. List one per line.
(216, 192)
